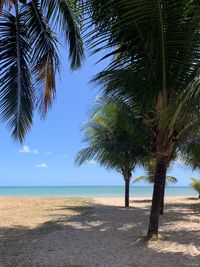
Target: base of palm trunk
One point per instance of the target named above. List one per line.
(154, 237)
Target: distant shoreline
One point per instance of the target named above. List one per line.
(92, 191)
(27, 186)
(132, 198)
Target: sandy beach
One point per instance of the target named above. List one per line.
(61, 232)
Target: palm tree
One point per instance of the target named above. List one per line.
(29, 59)
(150, 167)
(155, 64)
(112, 135)
(195, 183)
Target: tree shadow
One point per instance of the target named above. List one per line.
(102, 235)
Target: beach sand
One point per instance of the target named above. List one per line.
(61, 232)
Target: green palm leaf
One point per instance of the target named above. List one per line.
(115, 140)
(154, 54)
(7, 3)
(195, 183)
(70, 21)
(189, 150)
(150, 167)
(16, 94)
(33, 71)
(151, 179)
(66, 16)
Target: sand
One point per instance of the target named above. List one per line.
(61, 232)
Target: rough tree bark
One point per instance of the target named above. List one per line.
(127, 182)
(163, 199)
(161, 168)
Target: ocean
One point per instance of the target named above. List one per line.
(91, 191)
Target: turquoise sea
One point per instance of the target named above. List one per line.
(91, 191)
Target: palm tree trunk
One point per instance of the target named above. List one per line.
(127, 182)
(161, 168)
(163, 199)
(199, 195)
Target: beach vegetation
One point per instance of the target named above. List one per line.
(195, 183)
(115, 141)
(154, 67)
(29, 58)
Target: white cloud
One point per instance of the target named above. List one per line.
(49, 152)
(91, 161)
(41, 165)
(27, 150)
(62, 156)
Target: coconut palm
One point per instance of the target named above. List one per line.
(29, 59)
(195, 183)
(155, 65)
(113, 137)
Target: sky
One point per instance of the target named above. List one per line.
(47, 156)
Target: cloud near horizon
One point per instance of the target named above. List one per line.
(27, 150)
(41, 165)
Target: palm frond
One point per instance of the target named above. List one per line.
(189, 150)
(45, 59)
(115, 139)
(85, 155)
(151, 179)
(156, 45)
(66, 16)
(16, 95)
(171, 179)
(1, 6)
(5, 3)
(70, 24)
(146, 179)
(195, 183)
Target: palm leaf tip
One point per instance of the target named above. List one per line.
(70, 26)
(47, 84)
(85, 155)
(195, 183)
(171, 179)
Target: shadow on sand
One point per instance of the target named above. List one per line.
(103, 235)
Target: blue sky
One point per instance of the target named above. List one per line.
(47, 157)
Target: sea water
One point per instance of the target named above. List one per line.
(91, 191)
